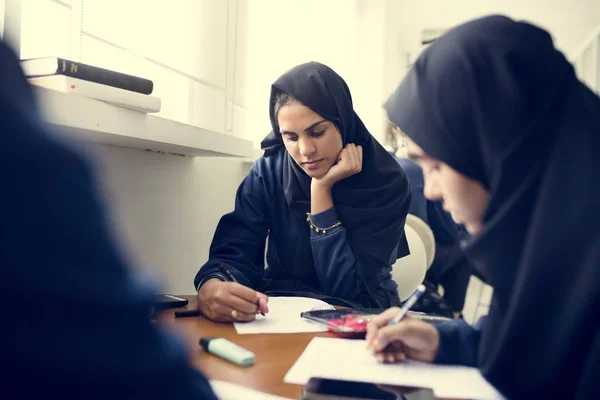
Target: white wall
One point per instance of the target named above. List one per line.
(2, 5)
(570, 23)
(165, 208)
(587, 61)
(275, 35)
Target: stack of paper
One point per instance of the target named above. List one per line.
(350, 360)
(284, 317)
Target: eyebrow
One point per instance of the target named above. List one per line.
(306, 129)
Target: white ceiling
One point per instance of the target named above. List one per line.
(569, 22)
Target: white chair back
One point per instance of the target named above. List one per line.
(409, 272)
(426, 235)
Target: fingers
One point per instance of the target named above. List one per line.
(379, 322)
(351, 151)
(387, 335)
(349, 162)
(343, 155)
(238, 304)
(356, 163)
(259, 304)
(229, 295)
(360, 157)
(263, 303)
(242, 292)
(382, 319)
(390, 357)
(230, 301)
(354, 155)
(417, 336)
(225, 313)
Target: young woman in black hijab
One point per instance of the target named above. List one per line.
(330, 199)
(500, 122)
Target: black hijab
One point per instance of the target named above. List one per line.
(497, 102)
(371, 205)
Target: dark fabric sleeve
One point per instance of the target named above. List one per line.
(378, 249)
(239, 241)
(459, 343)
(333, 257)
(76, 323)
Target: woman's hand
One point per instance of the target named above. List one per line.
(349, 163)
(410, 338)
(230, 301)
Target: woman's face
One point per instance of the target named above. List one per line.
(465, 199)
(313, 142)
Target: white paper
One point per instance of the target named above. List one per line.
(284, 317)
(350, 360)
(231, 391)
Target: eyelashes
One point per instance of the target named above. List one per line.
(294, 138)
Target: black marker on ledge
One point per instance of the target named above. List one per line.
(231, 278)
(187, 313)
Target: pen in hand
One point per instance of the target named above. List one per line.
(231, 278)
(408, 305)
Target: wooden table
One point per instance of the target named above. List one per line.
(275, 353)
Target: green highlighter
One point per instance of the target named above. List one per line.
(227, 350)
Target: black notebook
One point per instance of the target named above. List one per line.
(59, 66)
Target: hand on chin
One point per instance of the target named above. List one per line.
(349, 163)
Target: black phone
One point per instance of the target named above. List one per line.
(333, 389)
(165, 301)
(325, 316)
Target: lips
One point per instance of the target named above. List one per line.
(312, 165)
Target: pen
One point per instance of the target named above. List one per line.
(409, 303)
(231, 278)
(187, 313)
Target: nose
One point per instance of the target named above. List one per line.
(432, 190)
(306, 147)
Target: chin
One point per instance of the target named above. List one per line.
(315, 174)
(473, 229)
(455, 217)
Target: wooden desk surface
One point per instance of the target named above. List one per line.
(275, 353)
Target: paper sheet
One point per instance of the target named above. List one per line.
(350, 360)
(231, 391)
(284, 317)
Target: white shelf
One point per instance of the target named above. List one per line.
(256, 154)
(90, 120)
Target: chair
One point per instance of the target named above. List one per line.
(426, 235)
(409, 272)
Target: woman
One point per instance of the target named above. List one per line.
(330, 199)
(90, 336)
(450, 269)
(499, 121)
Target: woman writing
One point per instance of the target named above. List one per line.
(330, 199)
(497, 118)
